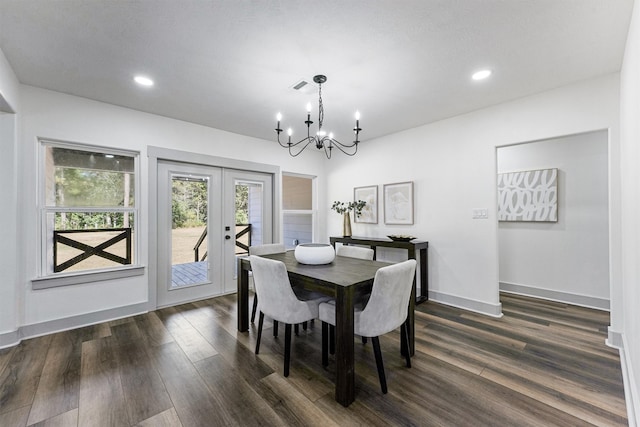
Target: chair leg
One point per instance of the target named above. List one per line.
(332, 339)
(260, 322)
(287, 348)
(325, 344)
(304, 326)
(296, 329)
(376, 350)
(255, 307)
(404, 336)
(275, 328)
(364, 340)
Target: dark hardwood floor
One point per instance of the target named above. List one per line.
(542, 364)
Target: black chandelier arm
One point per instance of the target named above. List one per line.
(290, 145)
(334, 143)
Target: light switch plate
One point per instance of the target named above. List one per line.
(480, 213)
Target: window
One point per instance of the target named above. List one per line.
(88, 208)
(298, 209)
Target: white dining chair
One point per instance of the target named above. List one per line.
(362, 297)
(266, 249)
(355, 252)
(279, 302)
(387, 309)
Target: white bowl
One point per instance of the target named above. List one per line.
(314, 253)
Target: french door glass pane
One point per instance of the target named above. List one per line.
(189, 242)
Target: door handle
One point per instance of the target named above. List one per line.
(227, 237)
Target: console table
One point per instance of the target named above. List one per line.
(413, 246)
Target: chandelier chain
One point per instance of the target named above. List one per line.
(320, 108)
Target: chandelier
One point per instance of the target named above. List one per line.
(321, 140)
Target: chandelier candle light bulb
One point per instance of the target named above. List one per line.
(321, 140)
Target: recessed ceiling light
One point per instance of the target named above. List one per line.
(481, 75)
(143, 81)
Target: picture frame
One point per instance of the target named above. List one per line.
(369, 194)
(528, 196)
(398, 203)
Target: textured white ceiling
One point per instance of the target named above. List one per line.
(231, 64)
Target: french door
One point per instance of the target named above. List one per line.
(207, 217)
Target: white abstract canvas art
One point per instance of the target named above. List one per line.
(398, 203)
(528, 196)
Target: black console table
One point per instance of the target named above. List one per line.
(413, 246)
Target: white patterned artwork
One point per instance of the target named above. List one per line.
(528, 196)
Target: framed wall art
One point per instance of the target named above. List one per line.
(528, 196)
(369, 213)
(398, 203)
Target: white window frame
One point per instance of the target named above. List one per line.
(47, 279)
(312, 211)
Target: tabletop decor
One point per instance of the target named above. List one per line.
(314, 253)
(344, 208)
(401, 237)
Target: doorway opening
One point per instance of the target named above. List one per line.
(564, 259)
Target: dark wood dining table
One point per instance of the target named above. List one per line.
(340, 279)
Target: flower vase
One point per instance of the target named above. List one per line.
(346, 225)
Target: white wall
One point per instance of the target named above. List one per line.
(9, 303)
(62, 117)
(630, 139)
(567, 260)
(453, 165)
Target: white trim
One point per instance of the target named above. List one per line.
(631, 392)
(44, 210)
(58, 325)
(85, 276)
(9, 339)
(552, 295)
(156, 154)
(488, 309)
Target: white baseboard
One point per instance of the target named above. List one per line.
(10, 339)
(631, 391)
(493, 310)
(574, 299)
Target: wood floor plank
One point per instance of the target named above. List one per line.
(168, 418)
(244, 403)
(194, 345)
(20, 377)
(152, 329)
(15, 418)
(67, 419)
(101, 395)
(290, 405)
(5, 356)
(144, 391)
(193, 401)
(59, 386)
(252, 368)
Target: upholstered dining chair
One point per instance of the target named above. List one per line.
(279, 302)
(355, 252)
(362, 297)
(266, 249)
(388, 308)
